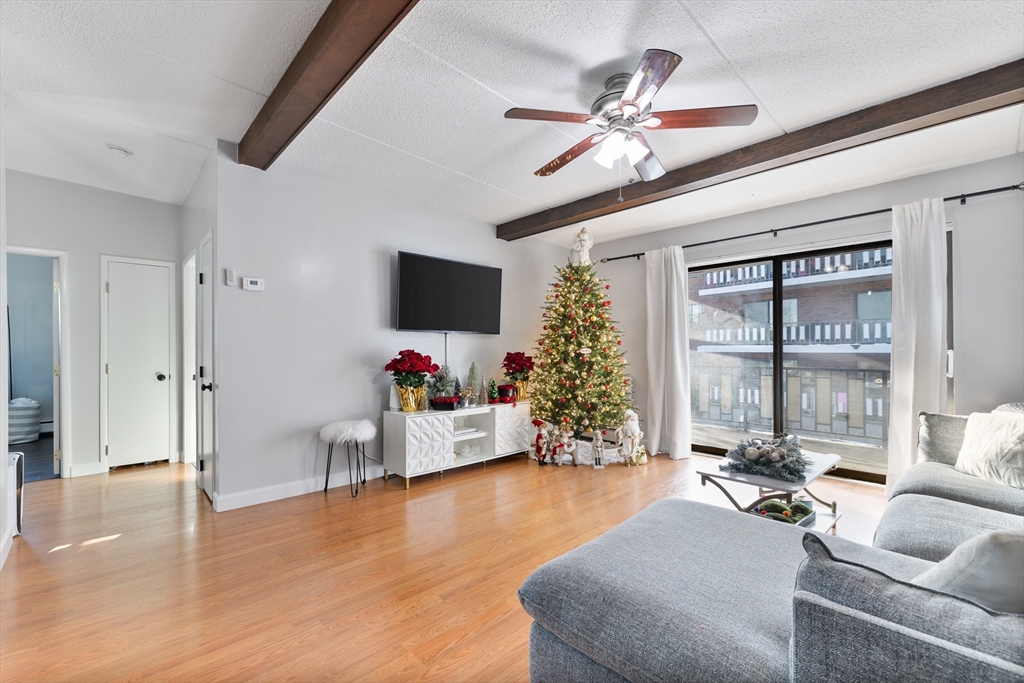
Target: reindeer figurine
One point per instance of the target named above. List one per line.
(566, 444)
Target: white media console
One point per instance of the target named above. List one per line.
(427, 441)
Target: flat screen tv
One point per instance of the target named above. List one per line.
(438, 295)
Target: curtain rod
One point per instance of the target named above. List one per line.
(775, 231)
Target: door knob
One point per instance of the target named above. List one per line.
(207, 387)
(160, 377)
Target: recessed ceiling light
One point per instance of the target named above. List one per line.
(118, 151)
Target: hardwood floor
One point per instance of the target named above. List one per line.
(131, 575)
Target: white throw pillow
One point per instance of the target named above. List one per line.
(987, 569)
(993, 448)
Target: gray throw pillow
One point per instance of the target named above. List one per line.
(987, 569)
(993, 448)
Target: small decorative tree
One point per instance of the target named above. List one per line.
(473, 382)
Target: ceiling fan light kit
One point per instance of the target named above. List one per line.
(624, 106)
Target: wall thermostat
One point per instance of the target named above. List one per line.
(252, 284)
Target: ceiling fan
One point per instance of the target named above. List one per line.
(625, 106)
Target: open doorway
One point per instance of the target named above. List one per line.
(35, 364)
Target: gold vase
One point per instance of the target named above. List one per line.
(522, 390)
(410, 398)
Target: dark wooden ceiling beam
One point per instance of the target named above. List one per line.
(975, 94)
(346, 35)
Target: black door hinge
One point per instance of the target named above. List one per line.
(200, 371)
(200, 278)
(202, 465)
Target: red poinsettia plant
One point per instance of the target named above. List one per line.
(410, 369)
(518, 366)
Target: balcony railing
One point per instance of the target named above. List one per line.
(830, 332)
(798, 268)
(846, 405)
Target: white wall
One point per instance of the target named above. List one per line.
(30, 301)
(312, 347)
(87, 222)
(988, 266)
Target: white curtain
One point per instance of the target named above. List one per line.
(918, 326)
(668, 354)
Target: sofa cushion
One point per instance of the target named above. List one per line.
(685, 591)
(898, 631)
(988, 569)
(993, 448)
(939, 437)
(931, 528)
(945, 481)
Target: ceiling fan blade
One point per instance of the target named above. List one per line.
(545, 115)
(655, 68)
(565, 157)
(709, 117)
(649, 167)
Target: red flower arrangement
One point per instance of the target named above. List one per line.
(518, 366)
(410, 369)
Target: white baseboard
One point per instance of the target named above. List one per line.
(267, 494)
(88, 468)
(5, 546)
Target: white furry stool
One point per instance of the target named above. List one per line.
(348, 432)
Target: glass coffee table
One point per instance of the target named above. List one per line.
(769, 488)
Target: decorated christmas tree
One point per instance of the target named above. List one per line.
(579, 378)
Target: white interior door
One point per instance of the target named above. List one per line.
(189, 371)
(205, 411)
(139, 357)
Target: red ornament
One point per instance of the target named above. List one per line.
(627, 381)
(545, 327)
(604, 432)
(607, 368)
(588, 289)
(619, 342)
(588, 406)
(607, 303)
(590, 386)
(607, 286)
(556, 296)
(556, 285)
(605, 349)
(613, 328)
(565, 419)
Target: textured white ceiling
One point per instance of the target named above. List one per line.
(165, 79)
(423, 116)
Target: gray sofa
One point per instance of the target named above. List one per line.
(690, 592)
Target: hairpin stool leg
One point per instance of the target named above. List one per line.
(327, 475)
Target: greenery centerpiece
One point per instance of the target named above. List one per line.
(780, 458)
(410, 371)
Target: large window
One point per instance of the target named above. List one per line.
(824, 375)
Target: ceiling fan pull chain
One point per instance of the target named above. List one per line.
(620, 200)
